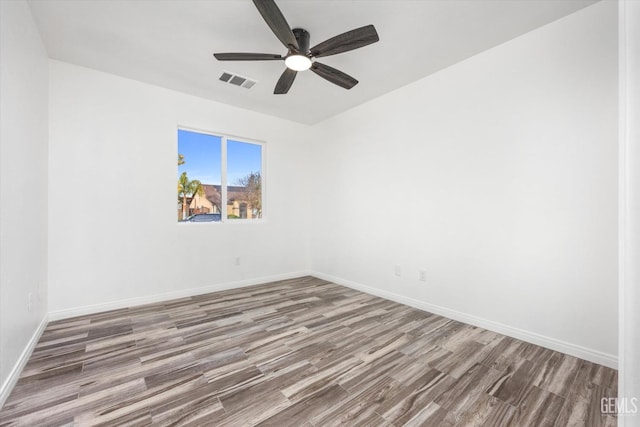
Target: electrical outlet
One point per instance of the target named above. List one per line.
(30, 301)
(422, 275)
(397, 270)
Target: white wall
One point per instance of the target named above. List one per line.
(629, 368)
(498, 176)
(23, 187)
(113, 238)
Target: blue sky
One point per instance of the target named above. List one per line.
(202, 155)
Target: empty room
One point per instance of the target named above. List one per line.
(318, 213)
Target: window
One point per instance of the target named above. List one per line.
(219, 178)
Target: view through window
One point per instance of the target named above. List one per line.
(218, 178)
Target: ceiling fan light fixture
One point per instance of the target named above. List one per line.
(298, 62)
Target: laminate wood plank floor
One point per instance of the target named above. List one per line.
(299, 352)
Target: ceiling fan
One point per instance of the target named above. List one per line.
(299, 56)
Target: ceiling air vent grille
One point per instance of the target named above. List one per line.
(237, 80)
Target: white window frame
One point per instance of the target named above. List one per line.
(224, 137)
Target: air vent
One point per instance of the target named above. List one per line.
(237, 80)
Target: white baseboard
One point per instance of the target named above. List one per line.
(531, 337)
(132, 302)
(12, 379)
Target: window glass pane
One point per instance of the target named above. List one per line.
(244, 180)
(199, 176)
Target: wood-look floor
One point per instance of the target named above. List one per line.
(301, 352)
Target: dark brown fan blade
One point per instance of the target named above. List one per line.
(285, 81)
(346, 41)
(277, 22)
(334, 76)
(246, 56)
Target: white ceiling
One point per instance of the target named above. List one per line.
(170, 43)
